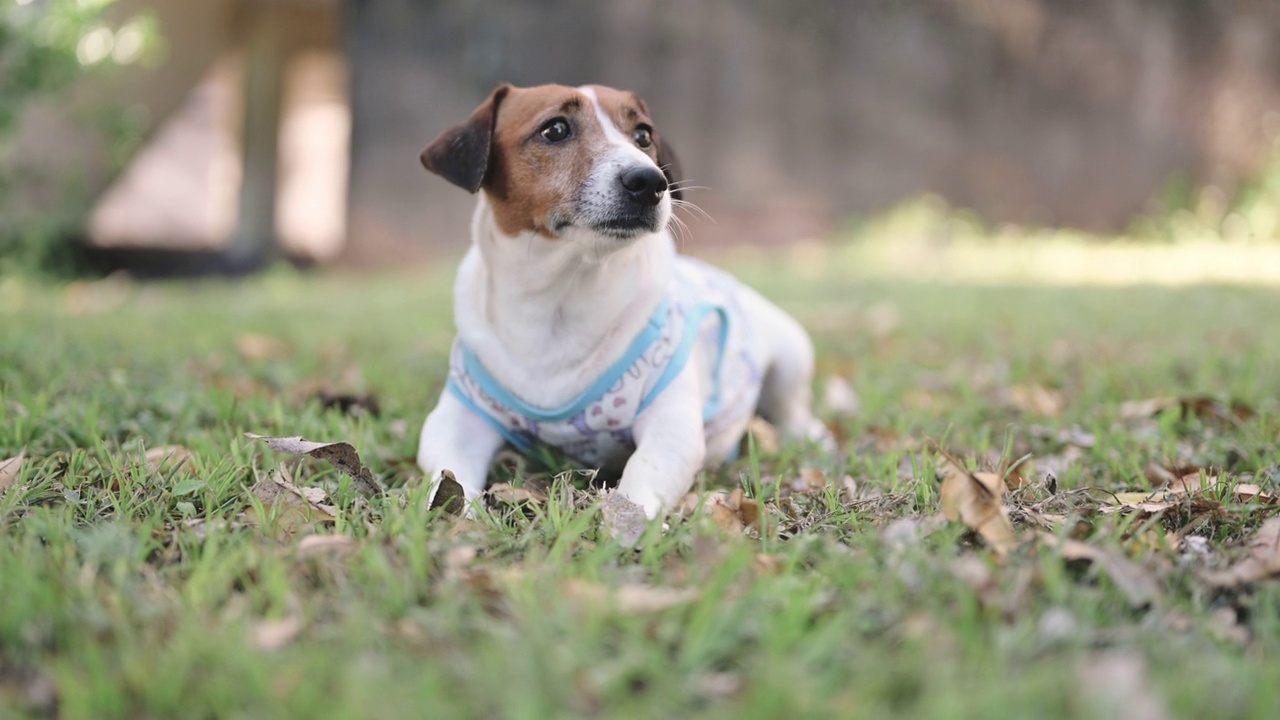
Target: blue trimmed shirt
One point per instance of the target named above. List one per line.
(701, 309)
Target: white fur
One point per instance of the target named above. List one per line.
(547, 317)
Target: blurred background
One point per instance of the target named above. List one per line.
(193, 136)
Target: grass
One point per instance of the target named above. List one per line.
(128, 590)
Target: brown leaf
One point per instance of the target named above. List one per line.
(975, 500)
(508, 494)
(349, 403)
(1248, 492)
(1037, 400)
(268, 635)
(10, 468)
(811, 481)
(326, 545)
(1192, 406)
(764, 434)
(168, 457)
(449, 494)
(624, 520)
(1137, 583)
(341, 455)
(631, 599)
(1262, 562)
(293, 507)
(253, 347)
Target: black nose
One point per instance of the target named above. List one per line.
(645, 184)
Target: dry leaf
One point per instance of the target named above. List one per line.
(1248, 492)
(10, 468)
(1193, 406)
(508, 494)
(268, 635)
(1262, 562)
(341, 455)
(1037, 399)
(840, 398)
(169, 457)
(975, 500)
(764, 434)
(293, 507)
(253, 347)
(812, 481)
(1137, 583)
(449, 494)
(625, 520)
(631, 599)
(326, 545)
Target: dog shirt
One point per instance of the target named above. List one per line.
(702, 307)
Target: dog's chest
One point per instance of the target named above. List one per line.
(699, 318)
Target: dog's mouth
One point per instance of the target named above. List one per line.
(627, 226)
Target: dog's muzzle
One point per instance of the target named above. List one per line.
(635, 208)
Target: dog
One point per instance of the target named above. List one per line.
(579, 326)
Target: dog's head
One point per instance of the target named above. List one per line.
(552, 157)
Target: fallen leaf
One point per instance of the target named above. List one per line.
(10, 468)
(975, 500)
(349, 403)
(811, 481)
(631, 599)
(253, 347)
(269, 635)
(449, 494)
(624, 520)
(508, 494)
(325, 545)
(764, 434)
(170, 457)
(341, 455)
(1248, 492)
(1036, 399)
(293, 507)
(840, 398)
(1205, 406)
(1262, 562)
(1139, 585)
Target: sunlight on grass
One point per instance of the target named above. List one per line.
(926, 241)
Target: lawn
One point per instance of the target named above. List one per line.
(1136, 427)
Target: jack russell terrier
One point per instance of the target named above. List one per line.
(579, 327)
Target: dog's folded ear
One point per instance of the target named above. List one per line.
(461, 153)
(670, 166)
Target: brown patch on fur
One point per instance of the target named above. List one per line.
(531, 182)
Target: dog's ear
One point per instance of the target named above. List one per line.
(461, 153)
(670, 166)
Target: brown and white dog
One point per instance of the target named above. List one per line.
(570, 256)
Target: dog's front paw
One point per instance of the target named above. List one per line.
(625, 520)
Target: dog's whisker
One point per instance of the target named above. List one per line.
(692, 209)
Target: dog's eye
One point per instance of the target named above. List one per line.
(643, 136)
(555, 130)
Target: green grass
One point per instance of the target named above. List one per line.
(111, 605)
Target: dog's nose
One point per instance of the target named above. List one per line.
(645, 184)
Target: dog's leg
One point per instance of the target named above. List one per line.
(670, 447)
(786, 398)
(454, 438)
